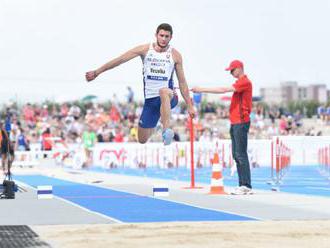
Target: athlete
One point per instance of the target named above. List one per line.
(159, 60)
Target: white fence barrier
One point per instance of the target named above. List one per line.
(175, 155)
(304, 152)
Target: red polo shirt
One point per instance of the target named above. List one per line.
(241, 101)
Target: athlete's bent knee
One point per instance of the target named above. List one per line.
(142, 140)
(165, 92)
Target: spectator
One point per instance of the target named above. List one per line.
(259, 120)
(46, 140)
(272, 115)
(114, 114)
(130, 95)
(133, 131)
(44, 112)
(272, 131)
(327, 115)
(22, 143)
(119, 135)
(28, 114)
(283, 125)
(176, 135)
(89, 139)
(75, 112)
(6, 149)
(321, 111)
(298, 118)
(289, 125)
(8, 121)
(209, 112)
(64, 110)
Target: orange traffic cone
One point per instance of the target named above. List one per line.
(217, 186)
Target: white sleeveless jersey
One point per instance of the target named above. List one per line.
(158, 71)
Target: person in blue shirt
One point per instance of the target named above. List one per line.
(320, 112)
(8, 121)
(22, 144)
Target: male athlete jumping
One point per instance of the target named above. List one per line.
(159, 62)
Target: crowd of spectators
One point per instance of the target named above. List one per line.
(265, 122)
(116, 121)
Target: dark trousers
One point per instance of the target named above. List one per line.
(239, 139)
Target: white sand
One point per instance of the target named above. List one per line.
(216, 234)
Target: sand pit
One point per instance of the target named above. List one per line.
(210, 234)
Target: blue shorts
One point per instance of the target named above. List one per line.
(151, 111)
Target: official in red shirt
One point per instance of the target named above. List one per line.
(239, 115)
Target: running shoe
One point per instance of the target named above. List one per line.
(242, 190)
(167, 135)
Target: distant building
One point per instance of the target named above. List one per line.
(223, 99)
(290, 91)
(317, 92)
(272, 95)
(302, 93)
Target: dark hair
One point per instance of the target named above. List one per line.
(166, 27)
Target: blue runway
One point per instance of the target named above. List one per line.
(305, 180)
(127, 207)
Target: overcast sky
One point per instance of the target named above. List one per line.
(46, 46)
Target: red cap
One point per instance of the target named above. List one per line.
(235, 64)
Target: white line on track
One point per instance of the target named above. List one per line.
(74, 204)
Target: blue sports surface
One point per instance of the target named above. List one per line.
(127, 207)
(307, 180)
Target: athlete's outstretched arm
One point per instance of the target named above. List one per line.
(215, 90)
(182, 82)
(130, 54)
